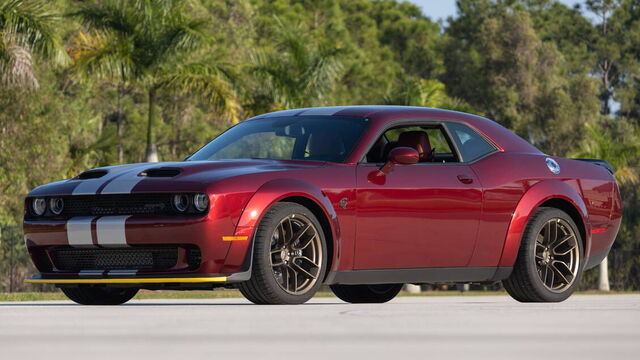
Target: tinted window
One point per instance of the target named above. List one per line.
(439, 145)
(471, 144)
(321, 138)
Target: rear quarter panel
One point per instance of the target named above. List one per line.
(516, 184)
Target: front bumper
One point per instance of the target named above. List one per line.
(222, 246)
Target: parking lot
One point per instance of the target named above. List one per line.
(478, 327)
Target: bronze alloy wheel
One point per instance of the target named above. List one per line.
(557, 255)
(296, 254)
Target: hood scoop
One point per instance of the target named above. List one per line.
(92, 174)
(160, 172)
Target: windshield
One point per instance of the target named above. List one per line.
(320, 138)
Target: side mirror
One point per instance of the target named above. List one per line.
(401, 156)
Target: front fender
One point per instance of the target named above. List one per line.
(239, 256)
(532, 199)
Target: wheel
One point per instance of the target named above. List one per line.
(99, 295)
(549, 262)
(366, 293)
(289, 257)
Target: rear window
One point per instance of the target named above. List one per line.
(472, 145)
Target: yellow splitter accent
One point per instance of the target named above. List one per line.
(128, 281)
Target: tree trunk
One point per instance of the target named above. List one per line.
(119, 125)
(603, 276)
(152, 151)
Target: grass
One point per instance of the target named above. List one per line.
(227, 293)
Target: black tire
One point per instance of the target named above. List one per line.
(526, 284)
(263, 287)
(359, 294)
(99, 295)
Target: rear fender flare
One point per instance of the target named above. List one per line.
(532, 199)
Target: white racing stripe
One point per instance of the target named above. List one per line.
(119, 186)
(125, 183)
(91, 186)
(111, 230)
(79, 231)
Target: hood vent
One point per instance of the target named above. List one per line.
(92, 174)
(162, 172)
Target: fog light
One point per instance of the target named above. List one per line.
(56, 205)
(201, 202)
(39, 206)
(181, 202)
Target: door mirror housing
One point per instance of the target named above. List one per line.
(402, 156)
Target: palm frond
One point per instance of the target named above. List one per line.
(26, 27)
(31, 24)
(17, 69)
(103, 55)
(209, 82)
(108, 16)
(622, 155)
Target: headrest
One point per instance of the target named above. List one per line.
(417, 140)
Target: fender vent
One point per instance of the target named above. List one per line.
(92, 174)
(160, 172)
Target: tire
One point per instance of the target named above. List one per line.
(277, 276)
(359, 294)
(541, 272)
(99, 295)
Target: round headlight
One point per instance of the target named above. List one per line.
(56, 205)
(201, 202)
(181, 202)
(39, 206)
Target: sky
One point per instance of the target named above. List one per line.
(441, 9)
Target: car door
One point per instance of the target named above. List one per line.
(420, 215)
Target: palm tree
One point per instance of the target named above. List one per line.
(297, 73)
(413, 91)
(26, 27)
(623, 156)
(151, 44)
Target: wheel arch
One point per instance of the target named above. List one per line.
(547, 193)
(321, 215)
(300, 192)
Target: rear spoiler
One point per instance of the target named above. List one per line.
(602, 163)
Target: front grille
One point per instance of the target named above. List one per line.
(128, 204)
(142, 258)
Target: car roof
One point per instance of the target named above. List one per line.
(383, 116)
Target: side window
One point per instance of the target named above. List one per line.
(471, 145)
(430, 141)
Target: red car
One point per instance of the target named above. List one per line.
(361, 198)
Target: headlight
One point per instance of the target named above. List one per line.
(56, 205)
(39, 206)
(201, 202)
(181, 202)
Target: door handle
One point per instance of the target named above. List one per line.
(465, 179)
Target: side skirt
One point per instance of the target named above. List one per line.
(420, 275)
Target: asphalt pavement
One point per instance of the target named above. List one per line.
(436, 327)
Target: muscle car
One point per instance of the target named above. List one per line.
(361, 198)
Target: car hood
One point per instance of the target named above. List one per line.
(185, 176)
